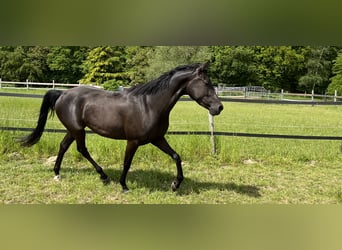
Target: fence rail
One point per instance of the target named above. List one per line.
(223, 99)
(209, 133)
(257, 92)
(34, 85)
(254, 94)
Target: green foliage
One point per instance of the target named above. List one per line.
(336, 80)
(23, 63)
(279, 67)
(165, 58)
(136, 62)
(273, 67)
(103, 64)
(65, 63)
(235, 66)
(318, 68)
(291, 68)
(113, 84)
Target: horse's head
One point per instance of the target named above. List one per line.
(200, 89)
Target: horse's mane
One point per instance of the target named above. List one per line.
(162, 82)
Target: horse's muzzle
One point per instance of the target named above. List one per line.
(216, 110)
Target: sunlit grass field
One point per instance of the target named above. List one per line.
(243, 170)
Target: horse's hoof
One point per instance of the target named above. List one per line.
(105, 181)
(57, 178)
(125, 190)
(174, 186)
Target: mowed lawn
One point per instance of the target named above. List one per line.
(243, 171)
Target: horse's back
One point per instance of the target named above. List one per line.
(70, 105)
(81, 91)
(92, 107)
(81, 94)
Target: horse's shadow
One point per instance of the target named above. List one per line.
(156, 180)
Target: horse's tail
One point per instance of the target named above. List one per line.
(48, 104)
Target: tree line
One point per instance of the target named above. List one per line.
(291, 68)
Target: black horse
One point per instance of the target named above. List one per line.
(139, 115)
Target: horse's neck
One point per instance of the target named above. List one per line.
(166, 99)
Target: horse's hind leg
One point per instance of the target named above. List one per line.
(65, 144)
(81, 147)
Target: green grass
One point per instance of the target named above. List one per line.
(244, 170)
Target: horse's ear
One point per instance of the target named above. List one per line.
(206, 65)
(203, 67)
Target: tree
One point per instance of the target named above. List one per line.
(105, 64)
(11, 60)
(279, 67)
(233, 65)
(319, 69)
(292, 68)
(336, 80)
(136, 62)
(23, 63)
(65, 63)
(35, 67)
(164, 58)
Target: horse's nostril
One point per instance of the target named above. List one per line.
(221, 107)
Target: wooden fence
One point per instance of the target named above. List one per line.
(211, 131)
(34, 85)
(257, 92)
(249, 92)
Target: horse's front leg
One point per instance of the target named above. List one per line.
(164, 146)
(131, 148)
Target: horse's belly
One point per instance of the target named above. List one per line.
(127, 123)
(113, 132)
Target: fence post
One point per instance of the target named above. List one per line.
(282, 94)
(53, 84)
(27, 84)
(335, 94)
(312, 95)
(212, 138)
(0, 84)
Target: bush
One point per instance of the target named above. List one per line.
(112, 84)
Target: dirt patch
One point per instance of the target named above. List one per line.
(249, 162)
(51, 160)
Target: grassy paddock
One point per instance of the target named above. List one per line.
(244, 170)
